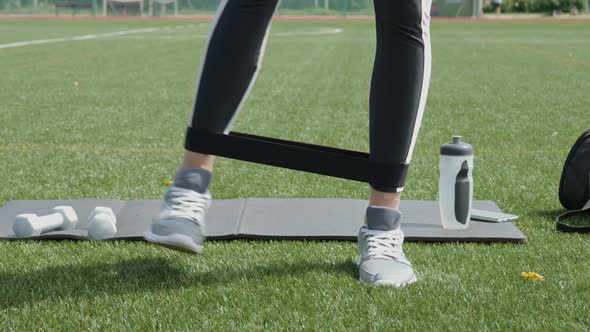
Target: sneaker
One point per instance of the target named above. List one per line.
(180, 223)
(382, 261)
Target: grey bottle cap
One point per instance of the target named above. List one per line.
(456, 148)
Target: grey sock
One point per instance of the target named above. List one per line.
(196, 179)
(382, 218)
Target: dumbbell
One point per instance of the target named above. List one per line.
(102, 223)
(61, 218)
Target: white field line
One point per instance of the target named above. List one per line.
(171, 37)
(86, 37)
(119, 34)
(323, 31)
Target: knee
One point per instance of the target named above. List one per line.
(405, 19)
(257, 6)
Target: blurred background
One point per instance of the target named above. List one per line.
(442, 8)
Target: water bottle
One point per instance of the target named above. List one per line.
(455, 186)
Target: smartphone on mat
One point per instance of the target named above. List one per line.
(492, 216)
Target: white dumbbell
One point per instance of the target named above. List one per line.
(61, 218)
(102, 223)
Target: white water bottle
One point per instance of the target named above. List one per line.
(455, 185)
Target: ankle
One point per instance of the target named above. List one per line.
(197, 160)
(382, 218)
(384, 199)
(195, 179)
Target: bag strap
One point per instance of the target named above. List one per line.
(568, 228)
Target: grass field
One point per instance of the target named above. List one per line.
(105, 118)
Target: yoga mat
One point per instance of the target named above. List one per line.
(270, 218)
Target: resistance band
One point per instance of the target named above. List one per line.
(345, 164)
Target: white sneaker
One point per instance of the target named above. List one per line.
(180, 224)
(382, 261)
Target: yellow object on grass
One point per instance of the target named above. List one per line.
(166, 182)
(533, 276)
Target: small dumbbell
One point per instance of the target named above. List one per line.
(61, 218)
(102, 223)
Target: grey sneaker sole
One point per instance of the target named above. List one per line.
(176, 242)
(388, 283)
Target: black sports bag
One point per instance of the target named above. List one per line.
(574, 187)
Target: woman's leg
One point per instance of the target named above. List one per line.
(229, 67)
(228, 70)
(399, 86)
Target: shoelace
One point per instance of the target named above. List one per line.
(188, 204)
(384, 244)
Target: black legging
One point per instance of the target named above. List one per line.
(399, 84)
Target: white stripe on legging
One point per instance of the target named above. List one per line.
(220, 10)
(425, 77)
(253, 80)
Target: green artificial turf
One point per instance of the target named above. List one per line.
(105, 118)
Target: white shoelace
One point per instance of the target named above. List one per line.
(384, 244)
(188, 204)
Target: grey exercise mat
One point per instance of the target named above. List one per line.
(271, 218)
